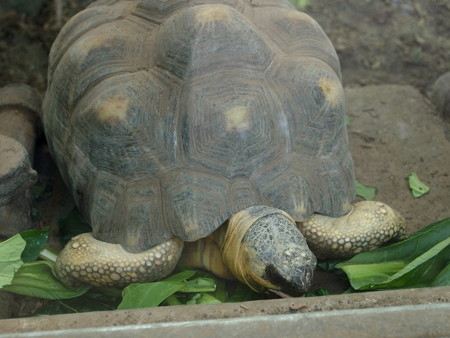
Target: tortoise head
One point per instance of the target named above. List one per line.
(264, 249)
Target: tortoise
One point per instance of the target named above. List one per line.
(217, 126)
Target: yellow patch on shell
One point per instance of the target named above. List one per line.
(114, 109)
(206, 14)
(237, 119)
(331, 89)
(299, 17)
(88, 43)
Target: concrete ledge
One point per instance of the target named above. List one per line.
(430, 320)
(401, 310)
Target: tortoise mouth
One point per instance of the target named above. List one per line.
(295, 283)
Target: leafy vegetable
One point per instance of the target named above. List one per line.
(204, 298)
(182, 275)
(41, 191)
(36, 241)
(10, 258)
(242, 293)
(19, 274)
(347, 120)
(148, 294)
(417, 187)
(152, 294)
(301, 4)
(318, 292)
(368, 193)
(38, 280)
(443, 278)
(199, 285)
(423, 259)
(418, 261)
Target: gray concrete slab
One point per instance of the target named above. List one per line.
(430, 320)
(402, 313)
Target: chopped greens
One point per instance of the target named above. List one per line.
(366, 192)
(421, 260)
(418, 188)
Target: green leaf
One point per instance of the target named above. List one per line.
(368, 193)
(417, 187)
(301, 4)
(243, 293)
(329, 265)
(173, 300)
(220, 293)
(409, 248)
(194, 299)
(10, 258)
(36, 241)
(414, 262)
(208, 299)
(347, 120)
(181, 276)
(203, 298)
(370, 276)
(424, 268)
(443, 278)
(318, 292)
(38, 280)
(148, 294)
(41, 191)
(153, 294)
(199, 285)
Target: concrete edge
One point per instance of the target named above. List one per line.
(429, 320)
(189, 313)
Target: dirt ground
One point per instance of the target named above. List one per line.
(378, 41)
(394, 130)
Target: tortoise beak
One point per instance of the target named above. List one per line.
(293, 283)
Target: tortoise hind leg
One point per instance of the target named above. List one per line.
(368, 225)
(87, 260)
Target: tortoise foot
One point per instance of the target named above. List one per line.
(88, 260)
(368, 225)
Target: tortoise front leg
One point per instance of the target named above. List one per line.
(87, 260)
(368, 225)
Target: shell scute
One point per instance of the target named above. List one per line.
(195, 199)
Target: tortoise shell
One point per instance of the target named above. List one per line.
(166, 117)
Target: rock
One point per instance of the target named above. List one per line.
(19, 109)
(440, 95)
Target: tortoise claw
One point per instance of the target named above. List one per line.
(368, 225)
